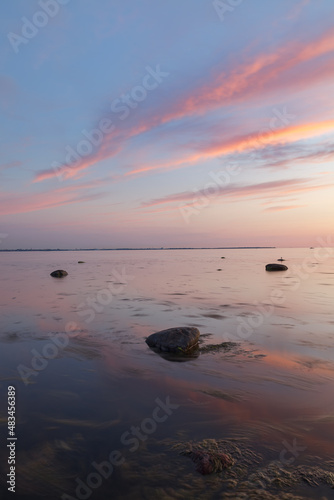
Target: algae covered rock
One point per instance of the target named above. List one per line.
(210, 462)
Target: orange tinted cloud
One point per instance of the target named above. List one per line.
(111, 145)
(258, 76)
(72, 170)
(285, 135)
(251, 79)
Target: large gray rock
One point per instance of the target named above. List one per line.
(59, 273)
(276, 267)
(182, 339)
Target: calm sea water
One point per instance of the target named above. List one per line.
(90, 391)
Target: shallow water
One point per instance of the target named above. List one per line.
(78, 402)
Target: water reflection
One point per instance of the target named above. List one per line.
(274, 388)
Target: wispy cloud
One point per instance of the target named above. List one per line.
(274, 189)
(317, 153)
(259, 75)
(297, 9)
(73, 170)
(243, 143)
(11, 164)
(256, 76)
(279, 208)
(283, 156)
(15, 204)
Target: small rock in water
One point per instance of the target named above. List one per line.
(276, 267)
(59, 273)
(81, 261)
(281, 260)
(182, 339)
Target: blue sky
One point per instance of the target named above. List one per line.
(179, 123)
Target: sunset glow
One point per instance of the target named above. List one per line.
(167, 126)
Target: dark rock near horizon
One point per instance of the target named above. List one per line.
(276, 267)
(182, 339)
(81, 261)
(59, 273)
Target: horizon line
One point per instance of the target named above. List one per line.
(131, 248)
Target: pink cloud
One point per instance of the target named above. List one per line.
(243, 143)
(258, 76)
(15, 204)
(112, 145)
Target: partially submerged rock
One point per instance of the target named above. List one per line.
(59, 273)
(182, 339)
(276, 267)
(247, 472)
(210, 456)
(81, 261)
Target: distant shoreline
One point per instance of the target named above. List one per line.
(118, 249)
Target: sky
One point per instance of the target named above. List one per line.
(155, 123)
